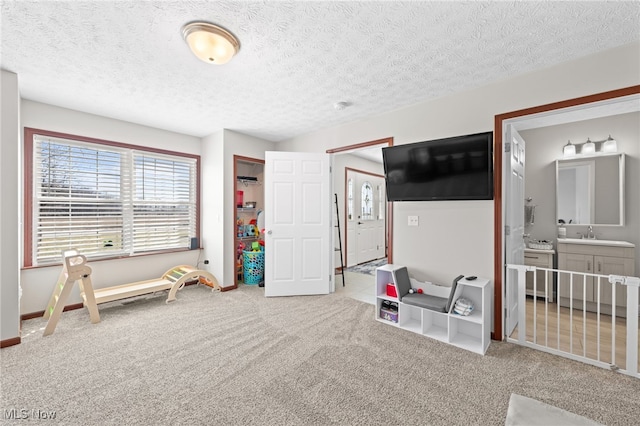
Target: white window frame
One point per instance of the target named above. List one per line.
(151, 207)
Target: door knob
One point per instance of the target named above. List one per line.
(269, 232)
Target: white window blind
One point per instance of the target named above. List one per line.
(108, 201)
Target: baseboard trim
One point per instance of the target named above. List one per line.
(231, 287)
(9, 342)
(38, 314)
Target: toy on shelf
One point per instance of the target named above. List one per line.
(239, 258)
(240, 227)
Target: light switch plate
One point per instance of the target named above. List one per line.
(413, 221)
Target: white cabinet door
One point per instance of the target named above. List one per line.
(297, 223)
(607, 265)
(581, 283)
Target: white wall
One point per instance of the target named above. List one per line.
(212, 209)
(544, 146)
(456, 237)
(10, 206)
(38, 283)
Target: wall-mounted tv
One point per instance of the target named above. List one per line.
(457, 168)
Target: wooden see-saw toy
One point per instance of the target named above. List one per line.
(75, 268)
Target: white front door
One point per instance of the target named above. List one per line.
(366, 225)
(297, 224)
(514, 161)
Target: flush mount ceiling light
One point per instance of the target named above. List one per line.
(339, 106)
(210, 43)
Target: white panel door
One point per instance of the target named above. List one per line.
(366, 232)
(297, 224)
(514, 161)
(370, 224)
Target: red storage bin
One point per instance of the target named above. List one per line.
(391, 290)
(239, 198)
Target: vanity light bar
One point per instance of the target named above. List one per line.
(607, 146)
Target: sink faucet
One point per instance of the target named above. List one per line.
(590, 234)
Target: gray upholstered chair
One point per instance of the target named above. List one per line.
(426, 301)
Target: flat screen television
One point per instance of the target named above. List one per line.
(457, 168)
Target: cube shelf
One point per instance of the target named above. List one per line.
(471, 332)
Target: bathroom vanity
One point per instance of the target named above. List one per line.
(542, 259)
(599, 257)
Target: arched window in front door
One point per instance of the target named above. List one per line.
(366, 201)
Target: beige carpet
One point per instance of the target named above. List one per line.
(236, 358)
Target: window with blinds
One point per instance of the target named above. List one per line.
(109, 200)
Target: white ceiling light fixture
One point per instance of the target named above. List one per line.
(210, 43)
(339, 106)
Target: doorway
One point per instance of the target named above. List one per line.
(593, 106)
(347, 161)
(365, 202)
(249, 205)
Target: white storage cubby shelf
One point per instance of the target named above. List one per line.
(472, 332)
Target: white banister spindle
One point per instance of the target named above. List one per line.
(571, 312)
(535, 306)
(584, 316)
(546, 309)
(632, 283)
(598, 321)
(522, 301)
(558, 312)
(613, 322)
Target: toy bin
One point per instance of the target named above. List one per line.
(253, 266)
(391, 290)
(389, 315)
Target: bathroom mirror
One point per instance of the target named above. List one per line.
(590, 190)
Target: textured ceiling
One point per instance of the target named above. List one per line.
(127, 59)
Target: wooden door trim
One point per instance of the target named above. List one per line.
(237, 158)
(498, 290)
(389, 215)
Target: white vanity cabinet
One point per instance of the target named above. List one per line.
(594, 258)
(541, 259)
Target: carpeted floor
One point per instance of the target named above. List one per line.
(237, 358)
